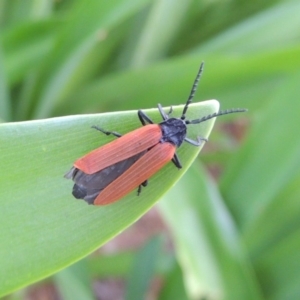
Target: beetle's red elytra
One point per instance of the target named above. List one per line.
(109, 173)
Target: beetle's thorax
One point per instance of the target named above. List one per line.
(173, 131)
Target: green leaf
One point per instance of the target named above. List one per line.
(142, 270)
(118, 264)
(5, 107)
(153, 32)
(74, 282)
(82, 33)
(113, 265)
(275, 27)
(26, 45)
(269, 159)
(43, 228)
(207, 243)
(279, 268)
(240, 81)
(266, 173)
(173, 288)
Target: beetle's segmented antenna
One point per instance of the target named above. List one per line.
(193, 91)
(214, 115)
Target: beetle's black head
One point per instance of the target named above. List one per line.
(173, 131)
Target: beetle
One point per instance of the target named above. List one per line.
(110, 172)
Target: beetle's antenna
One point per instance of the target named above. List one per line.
(193, 91)
(214, 115)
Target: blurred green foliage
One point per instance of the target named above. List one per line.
(238, 240)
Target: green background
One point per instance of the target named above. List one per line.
(232, 218)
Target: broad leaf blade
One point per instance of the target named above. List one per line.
(43, 228)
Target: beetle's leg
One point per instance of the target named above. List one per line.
(164, 115)
(162, 112)
(144, 118)
(170, 110)
(144, 184)
(176, 161)
(197, 143)
(116, 134)
(139, 190)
